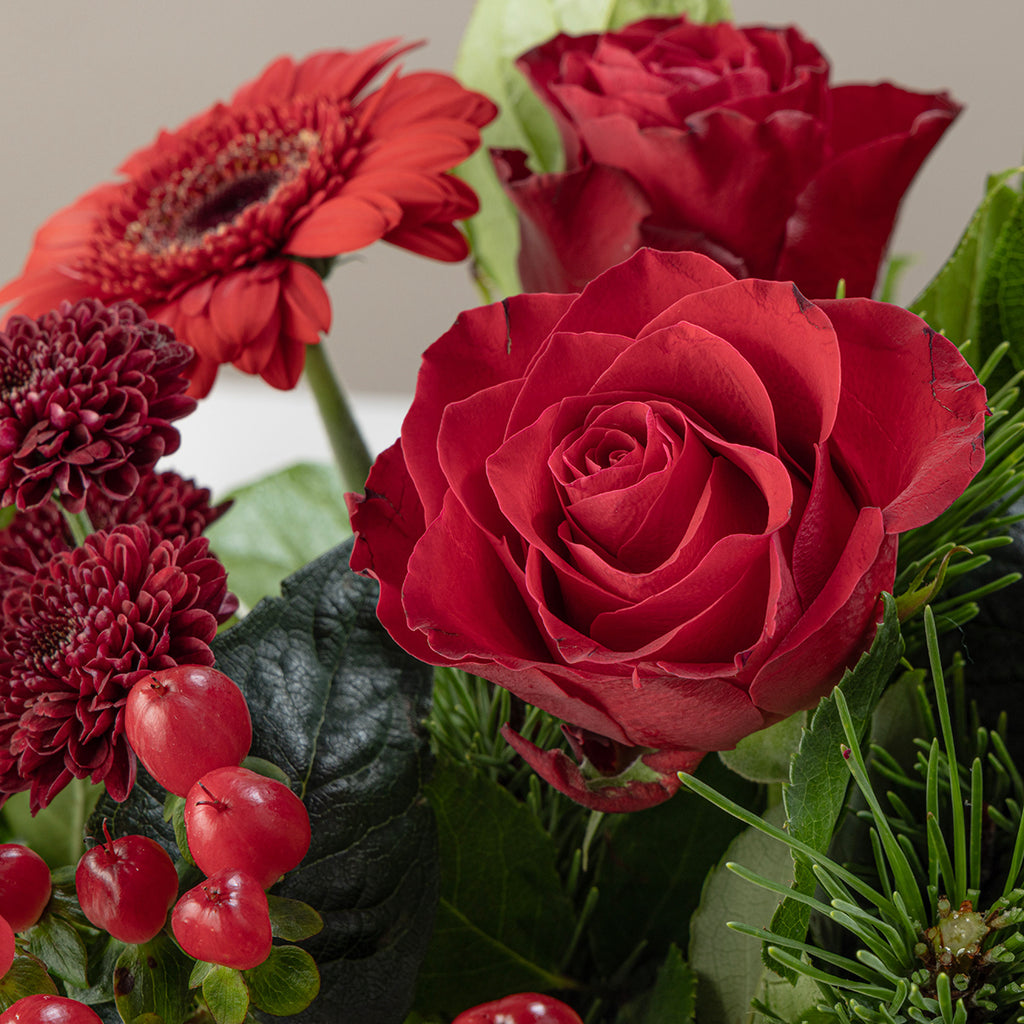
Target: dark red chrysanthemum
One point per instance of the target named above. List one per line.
(88, 394)
(173, 506)
(303, 163)
(79, 634)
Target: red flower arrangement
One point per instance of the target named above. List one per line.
(87, 398)
(213, 227)
(78, 633)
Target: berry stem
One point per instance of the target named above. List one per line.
(350, 451)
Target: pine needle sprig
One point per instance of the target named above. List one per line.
(934, 923)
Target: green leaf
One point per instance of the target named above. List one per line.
(673, 1000)
(276, 526)
(498, 32)
(153, 978)
(765, 756)
(504, 920)
(293, 920)
(339, 707)
(626, 11)
(285, 983)
(26, 977)
(727, 962)
(58, 944)
(952, 301)
(656, 863)
(819, 777)
(226, 995)
(104, 951)
(55, 832)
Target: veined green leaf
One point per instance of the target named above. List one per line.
(503, 921)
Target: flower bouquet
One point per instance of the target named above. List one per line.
(658, 673)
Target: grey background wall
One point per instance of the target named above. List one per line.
(85, 84)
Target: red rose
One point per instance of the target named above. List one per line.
(722, 140)
(664, 509)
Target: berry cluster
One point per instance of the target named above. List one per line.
(191, 729)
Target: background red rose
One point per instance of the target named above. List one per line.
(663, 510)
(722, 140)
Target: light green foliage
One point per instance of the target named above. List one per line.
(276, 526)
(765, 756)
(977, 298)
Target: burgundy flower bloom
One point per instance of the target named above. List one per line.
(173, 506)
(87, 396)
(207, 226)
(79, 634)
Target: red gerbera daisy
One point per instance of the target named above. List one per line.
(75, 638)
(87, 396)
(210, 228)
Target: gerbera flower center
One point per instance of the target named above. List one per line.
(207, 196)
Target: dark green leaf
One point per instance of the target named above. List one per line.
(503, 921)
(26, 977)
(819, 777)
(277, 525)
(293, 920)
(672, 1000)
(656, 863)
(339, 708)
(285, 983)
(226, 995)
(59, 945)
(153, 978)
(104, 951)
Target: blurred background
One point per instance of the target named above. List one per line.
(85, 85)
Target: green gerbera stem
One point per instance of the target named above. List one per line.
(350, 451)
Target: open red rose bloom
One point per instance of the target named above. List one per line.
(718, 139)
(209, 225)
(664, 509)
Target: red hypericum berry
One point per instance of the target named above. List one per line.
(235, 818)
(6, 946)
(126, 886)
(47, 1009)
(224, 920)
(183, 722)
(24, 885)
(521, 1008)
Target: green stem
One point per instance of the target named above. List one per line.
(350, 451)
(77, 522)
(84, 799)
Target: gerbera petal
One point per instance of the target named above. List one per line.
(344, 225)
